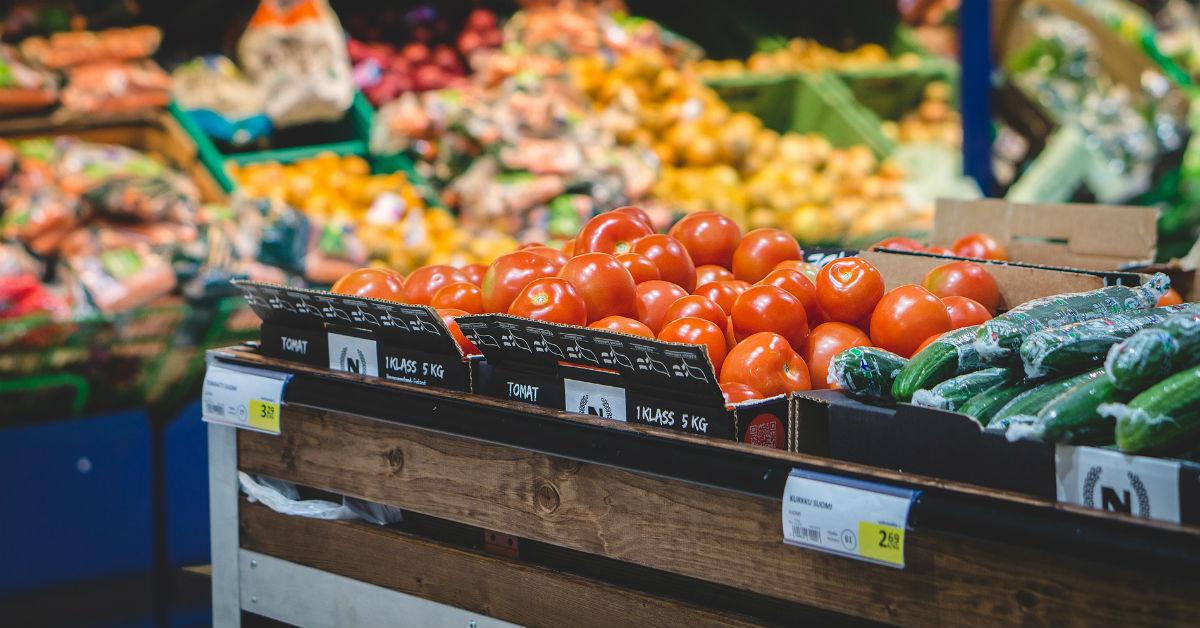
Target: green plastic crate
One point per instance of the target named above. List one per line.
(891, 90)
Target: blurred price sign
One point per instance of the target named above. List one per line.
(243, 397)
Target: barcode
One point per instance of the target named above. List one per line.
(801, 533)
(216, 409)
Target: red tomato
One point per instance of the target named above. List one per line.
(795, 283)
(767, 363)
(697, 331)
(639, 266)
(826, 341)
(730, 338)
(965, 312)
(672, 260)
(612, 232)
(550, 299)
(508, 274)
(426, 280)
(376, 283)
(448, 315)
(709, 273)
(773, 309)
(934, 249)
(805, 268)
(964, 279)
(848, 289)
(605, 285)
(737, 393)
(760, 251)
(1170, 298)
(723, 293)
(474, 272)
(897, 244)
(979, 246)
(696, 306)
(636, 212)
(905, 317)
(709, 237)
(462, 295)
(654, 297)
(568, 248)
(926, 343)
(623, 325)
(557, 257)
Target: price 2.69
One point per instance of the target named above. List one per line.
(889, 540)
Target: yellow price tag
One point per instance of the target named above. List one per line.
(264, 415)
(881, 542)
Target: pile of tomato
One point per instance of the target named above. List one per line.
(769, 321)
(973, 245)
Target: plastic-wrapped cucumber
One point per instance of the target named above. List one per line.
(1073, 417)
(1031, 402)
(1160, 416)
(1084, 345)
(1152, 354)
(1012, 422)
(951, 354)
(983, 406)
(866, 372)
(998, 338)
(954, 392)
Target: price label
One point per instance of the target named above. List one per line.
(1116, 482)
(243, 397)
(862, 520)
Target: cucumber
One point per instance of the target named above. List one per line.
(866, 372)
(951, 354)
(1032, 401)
(1073, 417)
(1000, 337)
(955, 391)
(1152, 354)
(1160, 416)
(1015, 422)
(981, 407)
(1084, 345)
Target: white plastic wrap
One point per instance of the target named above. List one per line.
(282, 497)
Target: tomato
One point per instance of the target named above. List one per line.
(623, 325)
(550, 299)
(696, 306)
(737, 393)
(709, 273)
(654, 297)
(474, 272)
(448, 315)
(529, 245)
(697, 331)
(639, 266)
(925, 343)
(965, 312)
(848, 289)
(897, 244)
(461, 295)
(905, 317)
(426, 280)
(557, 257)
(760, 251)
(606, 287)
(979, 246)
(376, 283)
(636, 212)
(934, 249)
(1170, 298)
(773, 309)
(826, 341)
(795, 283)
(709, 237)
(807, 269)
(730, 338)
(568, 248)
(768, 364)
(964, 279)
(672, 260)
(508, 274)
(612, 232)
(723, 293)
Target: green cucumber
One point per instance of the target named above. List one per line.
(866, 372)
(954, 392)
(1082, 346)
(1000, 337)
(1012, 422)
(951, 354)
(1152, 354)
(1160, 416)
(1032, 401)
(981, 407)
(1073, 418)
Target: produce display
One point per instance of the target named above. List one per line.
(806, 55)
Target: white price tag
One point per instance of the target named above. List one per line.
(607, 402)
(351, 354)
(1109, 480)
(243, 397)
(862, 520)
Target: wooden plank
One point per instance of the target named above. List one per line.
(719, 536)
(493, 586)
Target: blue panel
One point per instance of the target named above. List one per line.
(77, 500)
(186, 463)
(975, 90)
